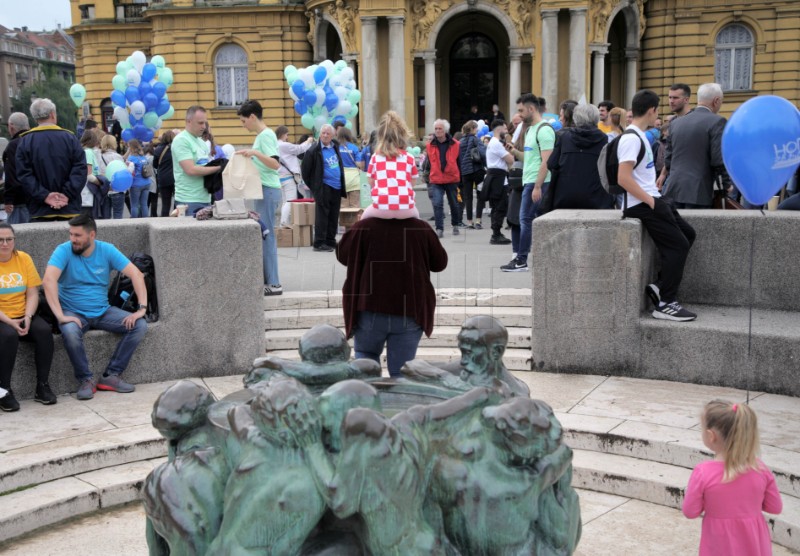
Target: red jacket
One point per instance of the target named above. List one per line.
(451, 173)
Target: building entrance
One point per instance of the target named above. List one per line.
(473, 78)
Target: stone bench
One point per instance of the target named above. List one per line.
(209, 283)
(590, 313)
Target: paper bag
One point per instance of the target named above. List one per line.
(241, 180)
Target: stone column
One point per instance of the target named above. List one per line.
(369, 72)
(351, 60)
(514, 79)
(430, 89)
(599, 52)
(577, 52)
(397, 65)
(631, 75)
(550, 56)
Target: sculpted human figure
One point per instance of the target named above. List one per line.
(324, 360)
(482, 341)
(271, 499)
(335, 402)
(184, 497)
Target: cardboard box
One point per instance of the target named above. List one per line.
(302, 236)
(283, 236)
(349, 216)
(303, 213)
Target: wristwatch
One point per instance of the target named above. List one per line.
(141, 307)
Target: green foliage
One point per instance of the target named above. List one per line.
(57, 90)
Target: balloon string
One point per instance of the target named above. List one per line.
(750, 305)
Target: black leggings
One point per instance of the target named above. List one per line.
(468, 183)
(41, 334)
(166, 194)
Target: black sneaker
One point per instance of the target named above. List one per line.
(516, 265)
(323, 248)
(654, 293)
(44, 394)
(273, 289)
(673, 311)
(9, 402)
(499, 239)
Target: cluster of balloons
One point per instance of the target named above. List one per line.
(118, 174)
(414, 151)
(78, 94)
(140, 96)
(483, 129)
(323, 94)
(761, 146)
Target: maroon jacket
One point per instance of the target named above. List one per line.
(389, 263)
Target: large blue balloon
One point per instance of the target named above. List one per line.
(140, 132)
(320, 74)
(340, 120)
(148, 72)
(127, 135)
(122, 180)
(159, 89)
(331, 101)
(310, 98)
(761, 146)
(150, 101)
(298, 87)
(162, 107)
(300, 107)
(132, 94)
(148, 136)
(144, 88)
(118, 98)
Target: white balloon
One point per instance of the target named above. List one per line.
(334, 81)
(138, 109)
(328, 65)
(294, 96)
(307, 77)
(481, 123)
(159, 123)
(139, 59)
(347, 74)
(121, 115)
(343, 108)
(228, 149)
(341, 92)
(351, 84)
(134, 78)
(320, 121)
(320, 97)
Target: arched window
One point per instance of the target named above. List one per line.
(230, 66)
(734, 58)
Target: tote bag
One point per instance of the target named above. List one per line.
(241, 179)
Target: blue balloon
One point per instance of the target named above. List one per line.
(328, 90)
(331, 102)
(144, 88)
(162, 107)
(148, 72)
(310, 98)
(127, 134)
(340, 119)
(122, 180)
(140, 132)
(300, 107)
(132, 94)
(159, 89)
(320, 74)
(150, 101)
(148, 136)
(118, 98)
(298, 88)
(133, 121)
(761, 146)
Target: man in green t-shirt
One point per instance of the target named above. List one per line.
(189, 154)
(539, 141)
(264, 155)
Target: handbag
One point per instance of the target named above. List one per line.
(230, 209)
(241, 179)
(475, 156)
(147, 170)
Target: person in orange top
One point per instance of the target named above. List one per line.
(19, 298)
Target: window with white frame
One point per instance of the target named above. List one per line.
(734, 58)
(230, 68)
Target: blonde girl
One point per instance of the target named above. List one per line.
(734, 488)
(392, 172)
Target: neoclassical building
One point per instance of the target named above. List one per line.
(428, 59)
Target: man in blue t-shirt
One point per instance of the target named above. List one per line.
(76, 286)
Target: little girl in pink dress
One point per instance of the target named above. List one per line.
(733, 489)
(392, 172)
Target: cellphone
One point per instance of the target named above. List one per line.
(22, 324)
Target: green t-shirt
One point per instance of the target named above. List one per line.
(90, 159)
(533, 156)
(267, 143)
(188, 189)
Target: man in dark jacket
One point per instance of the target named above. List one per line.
(323, 173)
(16, 200)
(51, 166)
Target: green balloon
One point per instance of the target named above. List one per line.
(353, 112)
(168, 114)
(340, 65)
(166, 77)
(119, 83)
(158, 61)
(113, 167)
(77, 93)
(122, 68)
(354, 97)
(150, 120)
(307, 120)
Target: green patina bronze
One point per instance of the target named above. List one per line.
(323, 456)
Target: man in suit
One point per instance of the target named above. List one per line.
(694, 151)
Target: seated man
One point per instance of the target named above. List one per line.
(482, 342)
(76, 286)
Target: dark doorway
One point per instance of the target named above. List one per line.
(473, 78)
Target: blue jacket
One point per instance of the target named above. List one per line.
(50, 159)
(465, 164)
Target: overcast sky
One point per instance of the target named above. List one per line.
(38, 15)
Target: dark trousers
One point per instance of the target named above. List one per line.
(468, 183)
(496, 193)
(673, 238)
(166, 194)
(499, 211)
(326, 219)
(41, 335)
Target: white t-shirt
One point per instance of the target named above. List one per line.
(494, 155)
(645, 173)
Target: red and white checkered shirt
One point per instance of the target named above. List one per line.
(393, 181)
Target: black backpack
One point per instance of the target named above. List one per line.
(121, 294)
(608, 164)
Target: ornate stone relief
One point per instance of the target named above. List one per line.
(345, 16)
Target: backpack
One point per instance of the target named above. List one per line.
(122, 295)
(608, 165)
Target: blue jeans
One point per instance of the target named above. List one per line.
(527, 213)
(400, 334)
(139, 198)
(117, 205)
(192, 208)
(110, 321)
(19, 215)
(437, 194)
(269, 247)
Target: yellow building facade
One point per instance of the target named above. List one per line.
(430, 59)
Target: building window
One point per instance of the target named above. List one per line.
(230, 67)
(734, 58)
